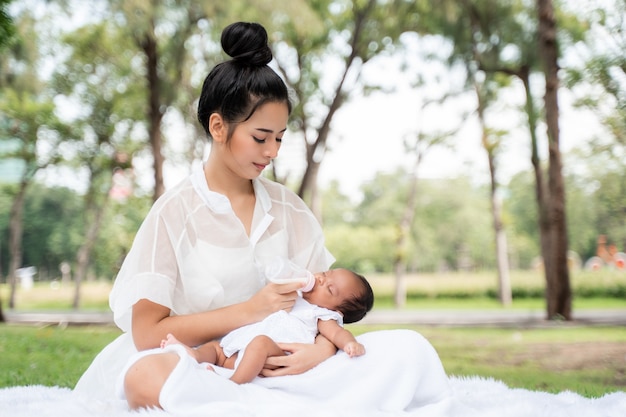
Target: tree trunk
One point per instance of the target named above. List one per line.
(309, 180)
(541, 194)
(15, 240)
(558, 291)
(155, 113)
(402, 241)
(308, 185)
(84, 253)
(502, 260)
(502, 256)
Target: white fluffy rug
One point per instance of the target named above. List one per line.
(472, 397)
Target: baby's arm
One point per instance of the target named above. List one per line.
(341, 337)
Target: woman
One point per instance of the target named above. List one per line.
(194, 269)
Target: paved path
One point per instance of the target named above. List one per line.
(495, 318)
(469, 318)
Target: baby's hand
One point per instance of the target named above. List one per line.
(354, 349)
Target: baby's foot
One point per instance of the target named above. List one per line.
(169, 340)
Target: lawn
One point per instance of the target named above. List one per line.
(589, 361)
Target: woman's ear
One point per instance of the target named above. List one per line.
(217, 128)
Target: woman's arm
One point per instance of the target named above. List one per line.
(152, 322)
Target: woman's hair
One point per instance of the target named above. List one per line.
(236, 88)
(355, 308)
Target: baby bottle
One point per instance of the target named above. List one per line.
(282, 271)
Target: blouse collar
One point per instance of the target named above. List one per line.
(219, 203)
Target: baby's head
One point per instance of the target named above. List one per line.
(344, 291)
(356, 307)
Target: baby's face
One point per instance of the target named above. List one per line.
(332, 288)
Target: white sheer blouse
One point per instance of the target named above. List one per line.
(192, 254)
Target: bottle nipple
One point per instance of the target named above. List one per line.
(282, 271)
(310, 282)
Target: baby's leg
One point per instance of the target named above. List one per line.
(203, 353)
(251, 365)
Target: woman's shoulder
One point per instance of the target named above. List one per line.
(180, 197)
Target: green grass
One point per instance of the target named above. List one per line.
(589, 361)
(49, 355)
(552, 360)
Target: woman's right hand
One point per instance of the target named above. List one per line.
(272, 298)
(152, 322)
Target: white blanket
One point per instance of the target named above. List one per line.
(410, 384)
(481, 397)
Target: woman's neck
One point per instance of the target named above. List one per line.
(221, 180)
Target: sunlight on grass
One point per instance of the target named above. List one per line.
(53, 296)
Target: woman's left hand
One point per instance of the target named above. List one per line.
(301, 357)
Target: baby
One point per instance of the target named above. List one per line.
(337, 296)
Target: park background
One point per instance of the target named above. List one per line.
(410, 139)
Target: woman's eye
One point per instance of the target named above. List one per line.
(259, 140)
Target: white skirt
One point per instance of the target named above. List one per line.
(400, 374)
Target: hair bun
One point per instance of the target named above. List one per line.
(246, 43)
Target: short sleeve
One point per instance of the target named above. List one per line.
(326, 314)
(148, 272)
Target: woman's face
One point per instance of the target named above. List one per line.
(255, 142)
(332, 288)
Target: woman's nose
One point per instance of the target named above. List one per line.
(271, 149)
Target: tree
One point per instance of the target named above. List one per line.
(28, 119)
(490, 140)
(161, 32)
(341, 35)
(103, 82)
(6, 33)
(7, 30)
(602, 90)
(491, 29)
(558, 290)
(417, 146)
(479, 31)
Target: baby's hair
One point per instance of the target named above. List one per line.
(355, 308)
(236, 88)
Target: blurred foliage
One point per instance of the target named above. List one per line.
(452, 225)
(53, 230)
(451, 230)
